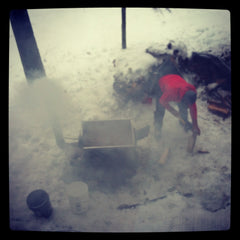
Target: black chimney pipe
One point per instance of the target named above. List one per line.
(31, 59)
(27, 46)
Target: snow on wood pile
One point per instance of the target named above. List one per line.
(211, 69)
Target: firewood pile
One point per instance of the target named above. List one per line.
(214, 73)
(219, 101)
(210, 70)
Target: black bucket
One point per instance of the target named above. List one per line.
(38, 201)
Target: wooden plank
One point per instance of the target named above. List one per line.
(218, 110)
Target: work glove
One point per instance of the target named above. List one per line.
(196, 130)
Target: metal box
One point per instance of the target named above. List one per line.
(109, 140)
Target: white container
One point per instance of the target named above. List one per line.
(78, 197)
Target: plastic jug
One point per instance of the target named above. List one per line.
(78, 197)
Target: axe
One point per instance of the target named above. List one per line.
(191, 140)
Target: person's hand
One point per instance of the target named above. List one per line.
(196, 130)
(181, 121)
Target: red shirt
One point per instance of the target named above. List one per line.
(173, 88)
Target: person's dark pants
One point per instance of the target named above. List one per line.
(160, 111)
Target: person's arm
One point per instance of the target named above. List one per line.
(164, 102)
(193, 113)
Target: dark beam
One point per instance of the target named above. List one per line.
(27, 46)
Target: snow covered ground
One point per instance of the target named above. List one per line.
(78, 47)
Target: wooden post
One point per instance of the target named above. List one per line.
(124, 45)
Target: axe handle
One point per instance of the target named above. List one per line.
(164, 156)
(191, 142)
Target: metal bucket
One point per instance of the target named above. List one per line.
(38, 201)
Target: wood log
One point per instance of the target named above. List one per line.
(219, 110)
(225, 101)
(228, 102)
(215, 102)
(164, 156)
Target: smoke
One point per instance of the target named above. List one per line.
(39, 106)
